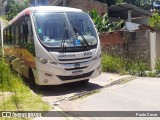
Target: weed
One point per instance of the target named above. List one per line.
(136, 67)
(21, 98)
(157, 67)
(5, 76)
(111, 63)
(123, 66)
(151, 73)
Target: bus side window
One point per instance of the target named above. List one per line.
(4, 36)
(28, 31)
(7, 36)
(10, 35)
(18, 33)
(25, 32)
(30, 39)
(13, 35)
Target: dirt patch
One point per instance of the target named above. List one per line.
(4, 96)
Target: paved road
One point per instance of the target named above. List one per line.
(51, 94)
(142, 94)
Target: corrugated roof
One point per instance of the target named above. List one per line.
(121, 10)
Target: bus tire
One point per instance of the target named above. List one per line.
(34, 86)
(85, 81)
(31, 78)
(10, 64)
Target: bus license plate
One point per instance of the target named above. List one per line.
(75, 73)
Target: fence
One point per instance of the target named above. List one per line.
(140, 44)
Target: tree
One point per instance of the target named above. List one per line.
(144, 4)
(108, 2)
(111, 2)
(13, 8)
(103, 24)
(154, 21)
(119, 1)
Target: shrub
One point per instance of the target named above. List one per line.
(103, 23)
(151, 73)
(5, 75)
(124, 66)
(136, 67)
(111, 63)
(20, 97)
(157, 67)
(154, 21)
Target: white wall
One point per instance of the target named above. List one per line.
(131, 26)
(153, 49)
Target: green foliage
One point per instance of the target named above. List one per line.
(151, 74)
(8, 80)
(4, 75)
(111, 63)
(120, 65)
(102, 23)
(144, 4)
(13, 8)
(154, 21)
(119, 1)
(157, 67)
(136, 67)
(20, 97)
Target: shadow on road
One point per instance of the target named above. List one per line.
(58, 90)
(69, 88)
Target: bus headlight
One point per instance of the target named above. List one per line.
(43, 61)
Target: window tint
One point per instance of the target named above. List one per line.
(19, 33)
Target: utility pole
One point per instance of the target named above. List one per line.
(64, 3)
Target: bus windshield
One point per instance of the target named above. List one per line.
(71, 29)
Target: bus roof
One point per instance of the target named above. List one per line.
(55, 9)
(44, 8)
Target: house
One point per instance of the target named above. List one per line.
(133, 16)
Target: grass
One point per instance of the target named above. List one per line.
(20, 97)
(157, 67)
(123, 66)
(111, 63)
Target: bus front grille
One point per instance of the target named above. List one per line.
(75, 59)
(76, 68)
(64, 78)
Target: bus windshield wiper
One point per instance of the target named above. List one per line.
(63, 45)
(76, 29)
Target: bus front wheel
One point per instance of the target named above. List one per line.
(85, 81)
(31, 78)
(32, 82)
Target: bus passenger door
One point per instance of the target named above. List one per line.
(29, 50)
